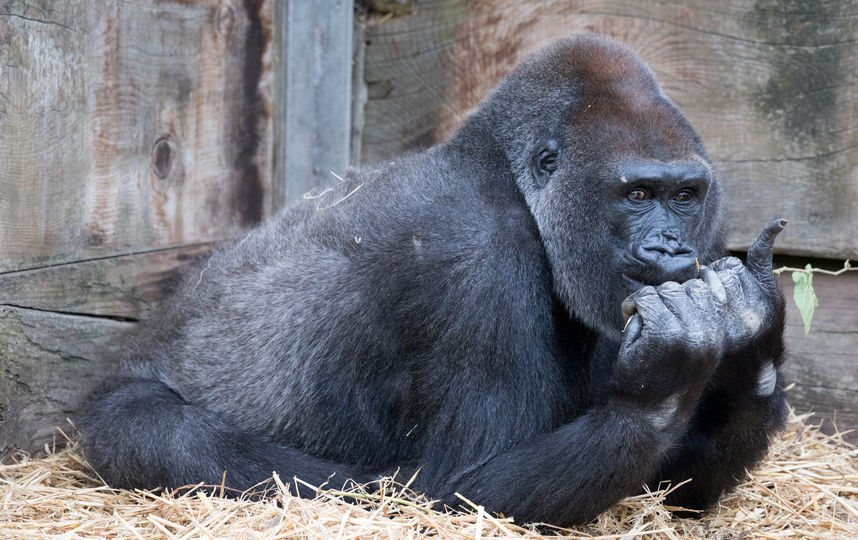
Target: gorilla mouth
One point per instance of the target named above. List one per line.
(655, 268)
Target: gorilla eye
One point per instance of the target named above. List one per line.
(638, 195)
(545, 162)
(683, 196)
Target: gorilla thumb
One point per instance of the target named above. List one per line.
(759, 261)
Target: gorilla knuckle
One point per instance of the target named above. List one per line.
(698, 291)
(646, 292)
(671, 289)
(727, 263)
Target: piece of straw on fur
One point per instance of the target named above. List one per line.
(807, 487)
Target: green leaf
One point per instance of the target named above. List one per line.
(804, 297)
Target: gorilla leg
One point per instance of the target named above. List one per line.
(138, 433)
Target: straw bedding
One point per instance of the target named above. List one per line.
(806, 488)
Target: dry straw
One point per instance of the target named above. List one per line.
(806, 488)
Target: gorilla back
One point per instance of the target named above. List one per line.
(459, 311)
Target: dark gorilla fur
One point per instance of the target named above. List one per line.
(458, 311)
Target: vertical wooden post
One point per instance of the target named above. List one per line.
(313, 70)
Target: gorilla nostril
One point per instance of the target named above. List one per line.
(670, 234)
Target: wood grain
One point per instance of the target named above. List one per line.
(771, 87)
(823, 364)
(128, 126)
(48, 364)
(313, 105)
(124, 287)
(133, 136)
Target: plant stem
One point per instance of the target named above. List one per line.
(846, 267)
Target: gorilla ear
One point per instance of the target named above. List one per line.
(545, 162)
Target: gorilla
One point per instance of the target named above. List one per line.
(537, 314)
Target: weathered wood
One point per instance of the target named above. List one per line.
(130, 126)
(359, 89)
(823, 364)
(313, 89)
(48, 364)
(124, 287)
(133, 135)
(771, 87)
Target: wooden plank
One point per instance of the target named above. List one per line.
(822, 364)
(771, 87)
(134, 135)
(50, 361)
(359, 88)
(125, 287)
(48, 364)
(313, 89)
(130, 126)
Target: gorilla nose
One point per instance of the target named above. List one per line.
(671, 234)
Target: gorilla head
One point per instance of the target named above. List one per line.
(617, 180)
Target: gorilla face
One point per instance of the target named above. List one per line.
(656, 208)
(615, 177)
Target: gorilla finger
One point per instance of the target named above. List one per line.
(698, 292)
(673, 296)
(732, 282)
(633, 329)
(714, 283)
(759, 261)
(629, 308)
(767, 380)
(654, 314)
(726, 263)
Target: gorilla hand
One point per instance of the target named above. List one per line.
(671, 346)
(751, 297)
(742, 405)
(751, 308)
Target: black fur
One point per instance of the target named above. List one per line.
(458, 310)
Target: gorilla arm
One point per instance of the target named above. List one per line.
(569, 475)
(572, 473)
(744, 402)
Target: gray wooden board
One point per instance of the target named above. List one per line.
(48, 363)
(133, 135)
(824, 364)
(313, 89)
(119, 287)
(130, 126)
(771, 86)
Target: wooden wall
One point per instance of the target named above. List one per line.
(771, 85)
(133, 136)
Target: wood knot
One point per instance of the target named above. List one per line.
(161, 160)
(224, 19)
